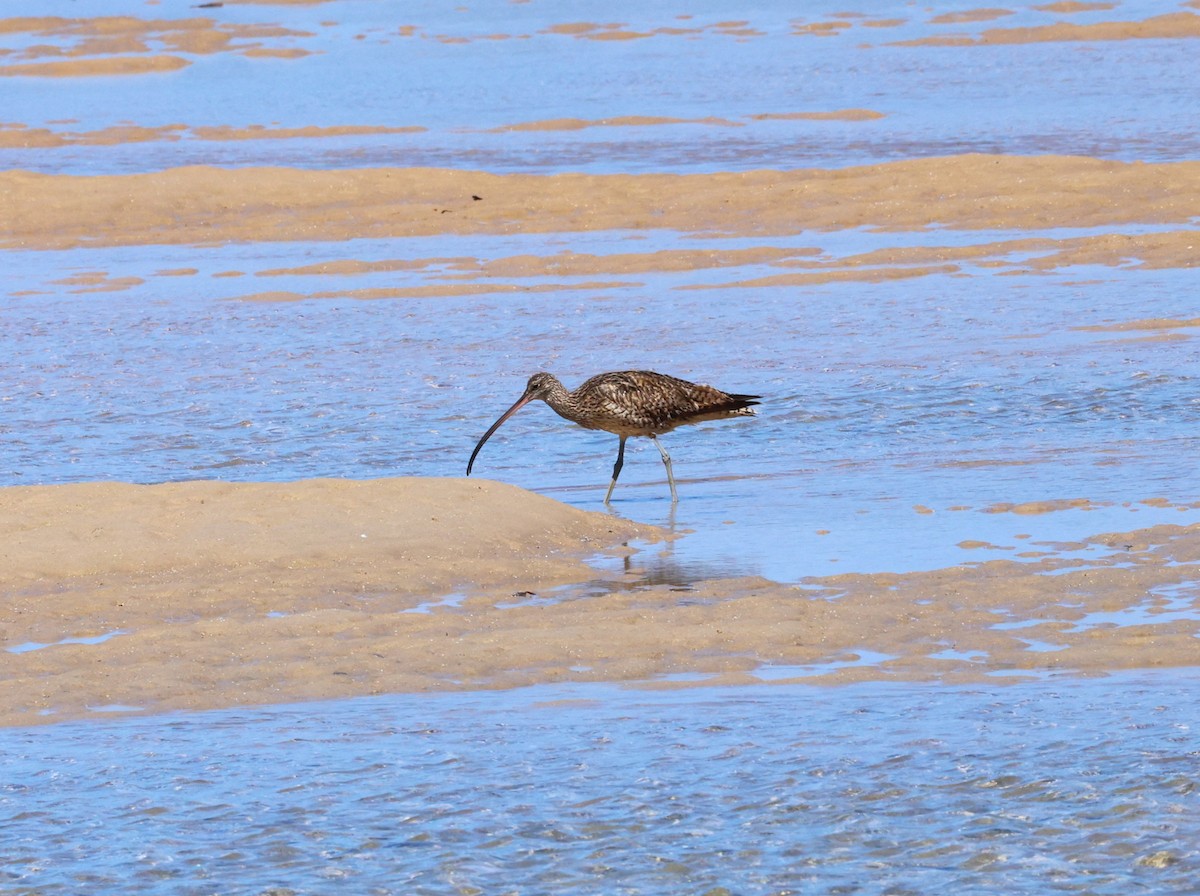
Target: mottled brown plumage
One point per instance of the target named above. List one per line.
(630, 403)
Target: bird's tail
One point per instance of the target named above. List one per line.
(742, 403)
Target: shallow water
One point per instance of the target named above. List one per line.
(950, 393)
(1046, 787)
(465, 74)
(901, 422)
(894, 414)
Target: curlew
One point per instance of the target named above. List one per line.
(630, 403)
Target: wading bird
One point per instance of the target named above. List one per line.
(630, 403)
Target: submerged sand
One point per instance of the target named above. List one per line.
(204, 594)
(1145, 216)
(129, 46)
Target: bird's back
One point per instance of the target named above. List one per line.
(642, 403)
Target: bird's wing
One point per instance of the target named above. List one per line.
(647, 401)
(617, 393)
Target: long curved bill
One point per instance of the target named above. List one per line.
(521, 402)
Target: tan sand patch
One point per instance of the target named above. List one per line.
(897, 262)
(180, 566)
(574, 28)
(739, 32)
(276, 52)
(849, 275)
(1169, 26)
(578, 264)
(822, 29)
(216, 594)
(616, 35)
(1070, 6)
(1149, 323)
(17, 135)
(105, 65)
(1039, 507)
(579, 124)
(1153, 250)
(970, 15)
(1171, 249)
(97, 281)
(214, 205)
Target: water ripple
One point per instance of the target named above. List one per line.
(1082, 786)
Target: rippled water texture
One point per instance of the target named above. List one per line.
(938, 393)
(939, 415)
(468, 86)
(1053, 787)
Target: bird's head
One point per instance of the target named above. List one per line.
(539, 386)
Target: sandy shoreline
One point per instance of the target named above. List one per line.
(217, 594)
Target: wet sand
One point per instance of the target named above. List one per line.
(202, 595)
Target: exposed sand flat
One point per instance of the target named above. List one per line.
(1171, 25)
(216, 594)
(104, 65)
(205, 204)
(191, 571)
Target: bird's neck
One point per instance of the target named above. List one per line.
(562, 402)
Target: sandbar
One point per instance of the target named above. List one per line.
(197, 595)
(207, 580)
(206, 205)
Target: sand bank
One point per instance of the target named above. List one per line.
(208, 594)
(1169, 26)
(199, 205)
(191, 572)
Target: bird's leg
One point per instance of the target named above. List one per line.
(616, 469)
(667, 463)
